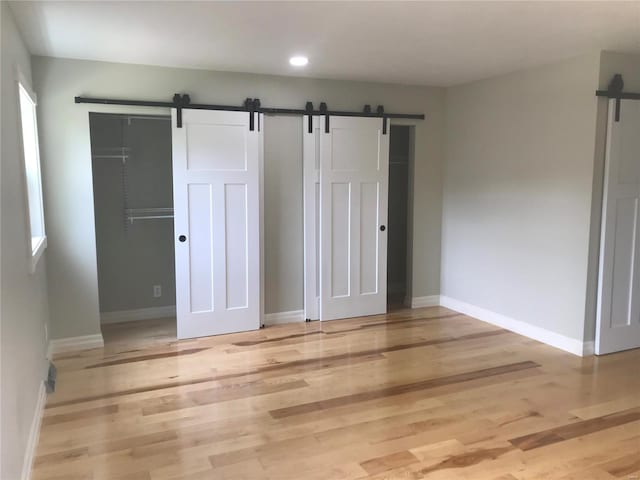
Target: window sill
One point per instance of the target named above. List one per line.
(38, 248)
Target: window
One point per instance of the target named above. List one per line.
(31, 156)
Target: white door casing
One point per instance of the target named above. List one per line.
(311, 193)
(618, 313)
(217, 207)
(354, 171)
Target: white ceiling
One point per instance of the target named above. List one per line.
(426, 43)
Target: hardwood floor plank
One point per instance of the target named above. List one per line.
(576, 429)
(210, 396)
(624, 466)
(130, 443)
(79, 415)
(145, 358)
(466, 459)
(605, 408)
(61, 457)
(388, 462)
(250, 343)
(130, 391)
(402, 323)
(589, 473)
(399, 389)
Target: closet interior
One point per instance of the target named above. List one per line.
(398, 251)
(133, 203)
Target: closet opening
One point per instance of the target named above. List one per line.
(401, 147)
(133, 206)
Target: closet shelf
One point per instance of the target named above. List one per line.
(121, 153)
(134, 214)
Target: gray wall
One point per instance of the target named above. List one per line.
(24, 311)
(133, 257)
(67, 169)
(284, 286)
(517, 193)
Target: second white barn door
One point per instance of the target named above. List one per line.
(217, 190)
(619, 284)
(354, 171)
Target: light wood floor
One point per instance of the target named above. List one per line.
(414, 394)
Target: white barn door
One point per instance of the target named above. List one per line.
(217, 202)
(354, 171)
(618, 322)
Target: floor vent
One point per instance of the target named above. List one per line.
(51, 378)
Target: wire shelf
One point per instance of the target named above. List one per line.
(136, 214)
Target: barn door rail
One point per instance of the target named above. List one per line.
(614, 90)
(252, 105)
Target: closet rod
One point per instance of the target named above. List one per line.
(161, 118)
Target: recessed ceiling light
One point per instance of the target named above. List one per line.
(298, 61)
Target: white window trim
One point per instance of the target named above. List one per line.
(35, 252)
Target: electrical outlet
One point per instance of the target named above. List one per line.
(157, 291)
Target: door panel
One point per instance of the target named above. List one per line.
(354, 170)
(354, 149)
(618, 322)
(219, 147)
(340, 245)
(369, 202)
(236, 261)
(217, 190)
(201, 235)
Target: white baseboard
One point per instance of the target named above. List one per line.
(74, 343)
(429, 301)
(284, 317)
(34, 433)
(138, 314)
(543, 335)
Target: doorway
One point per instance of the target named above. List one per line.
(398, 258)
(133, 206)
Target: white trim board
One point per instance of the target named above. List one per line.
(284, 317)
(34, 433)
(428, 301)
(72, 344)
(543, 335)
(137, 314)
